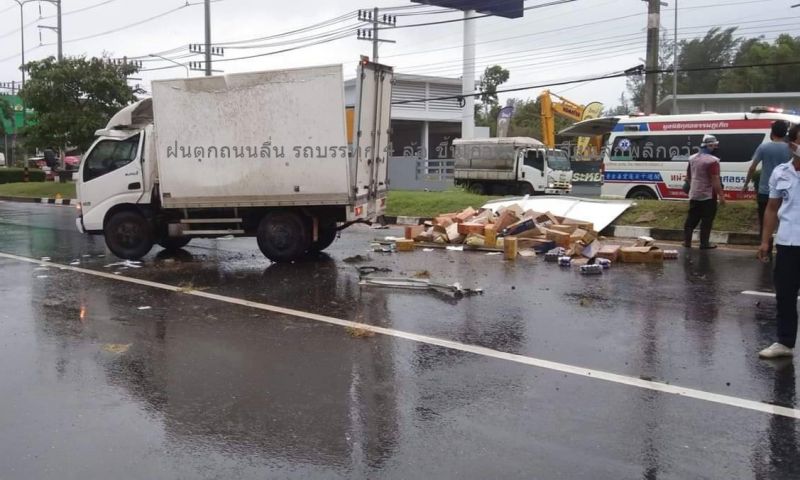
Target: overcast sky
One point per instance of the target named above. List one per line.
(580, 39)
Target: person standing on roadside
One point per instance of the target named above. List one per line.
(783, 212)
(705, 189)
(770, 154)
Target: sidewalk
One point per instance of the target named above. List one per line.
(50, 201)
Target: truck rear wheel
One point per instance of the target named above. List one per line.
(283, 236)
(129, 235)
(477, 188)
(326, 236)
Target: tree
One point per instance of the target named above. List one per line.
(716, 49)
(6, 115)
(492, 78)
(624, 107)
(763, 79)
(73, 98)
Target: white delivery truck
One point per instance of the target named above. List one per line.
(511, 165)
(261, 154)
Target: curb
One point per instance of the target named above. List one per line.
(721, 238)
(630, 231)
(49, 201)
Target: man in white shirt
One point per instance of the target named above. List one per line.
(783, 211)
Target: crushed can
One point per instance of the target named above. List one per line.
(594, 269)
(603, 262)
(564, 261)
(554, 254)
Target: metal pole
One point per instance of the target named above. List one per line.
(60, 43)
(468, 77)
(22, 39)
(375, 35)
(675, 65)
(651, 78)
(208, 38)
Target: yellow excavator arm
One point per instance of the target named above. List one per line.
(550, 109)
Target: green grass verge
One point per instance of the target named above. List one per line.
(739, 217)
(38, 189)
(430, 204)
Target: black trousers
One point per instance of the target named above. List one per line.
(762, 207)
(701, 212)
(787, 284)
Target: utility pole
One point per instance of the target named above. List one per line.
(675, 65)
(56, 29)
(651, 78)
(60, 38)
(468, 76)
(372, 35)
(208, 38)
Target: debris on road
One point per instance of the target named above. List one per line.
(118, 348)
(126, 264)
(454, 290)
(358, 332)
(369, 270)
(145, 307)
(356, 259)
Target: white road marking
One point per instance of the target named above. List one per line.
(758, 294)
(474, 349)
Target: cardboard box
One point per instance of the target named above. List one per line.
(547, 219)
(452, 234)
(465, 215)
(568, 229)
(513, 208)
(443, 221)
(510, 248)
(610, 252)
(404, 245)
(490, 235)
(641, 255)
(562, 239)
(413, 232)
(506, 218)
(581, 235)
(578, 223)
(483, 217)
(468, 228)
(579, 262)
(591, 250)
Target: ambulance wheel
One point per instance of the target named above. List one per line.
(129, 235)
(283, 236)
(642, 193)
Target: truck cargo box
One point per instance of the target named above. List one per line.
(252, 139)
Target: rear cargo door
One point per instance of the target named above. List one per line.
(369, 162)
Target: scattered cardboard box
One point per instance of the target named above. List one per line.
(649, 254)
(610, 252)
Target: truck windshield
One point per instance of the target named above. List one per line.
(558, 161)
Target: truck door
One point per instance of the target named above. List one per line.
(110, 174)
(532, 169)
(369, 162)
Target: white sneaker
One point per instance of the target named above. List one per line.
(776, 350)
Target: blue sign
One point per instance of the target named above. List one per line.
(501, 8)
(632, 177)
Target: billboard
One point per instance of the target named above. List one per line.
(500, 8)
(16, 105)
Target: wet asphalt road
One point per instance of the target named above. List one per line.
(106, 379)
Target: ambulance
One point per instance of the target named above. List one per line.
(645, 157)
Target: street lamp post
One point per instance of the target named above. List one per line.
(171, 61)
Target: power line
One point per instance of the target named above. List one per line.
(639, 70)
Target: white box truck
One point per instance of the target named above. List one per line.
(511, 165)
(260, 154)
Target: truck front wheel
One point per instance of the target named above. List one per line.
(283, 236)
(129, 235)
(174, 243)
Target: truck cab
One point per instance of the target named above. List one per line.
(546, 170)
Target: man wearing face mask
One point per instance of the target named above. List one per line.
(783, 212)
(705, 188)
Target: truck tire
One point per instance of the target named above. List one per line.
(174, 243)
(527, 189)
(283, 236)
(477, 188)
(327, 235)
(129, 235)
